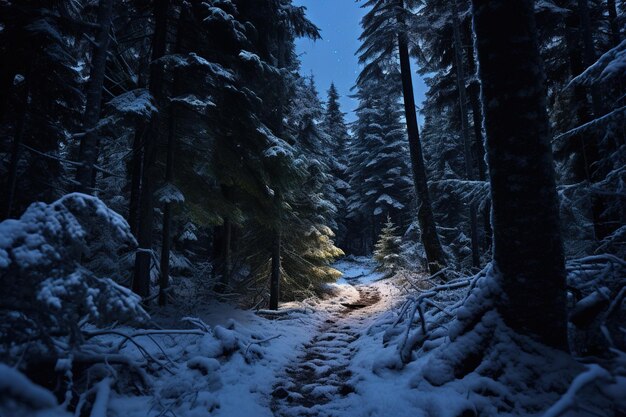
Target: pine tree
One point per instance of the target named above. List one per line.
(385, 41)
(143, 259)
(388, 248)
(335, 127)
(379, 167)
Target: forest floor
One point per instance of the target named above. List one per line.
(321, 372)
(320, 357)
(335, 356)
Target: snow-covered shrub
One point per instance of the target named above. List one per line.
(466, 349)
(50, 283)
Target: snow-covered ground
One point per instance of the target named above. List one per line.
(332, 357)
(249, 362)
(312, 357)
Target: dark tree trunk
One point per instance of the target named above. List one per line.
(166, 241)
(589, 53)
(612, 11)
(166, 245)
(7, 75)
(602, 226)
(276, 249)
(141, 280)
(477, 119)
(223, 260)
(16, 147)
(528, 253)
(166, 238)
(88, 151)
(135, 179)
(425, 216)
(467, 147)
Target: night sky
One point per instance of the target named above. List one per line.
(332, 58)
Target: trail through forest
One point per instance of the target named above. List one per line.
(321, 372)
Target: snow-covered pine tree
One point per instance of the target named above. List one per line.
(379, 166)
(59, 264)
(385, 42)
(335, 127)
(310, 203)
(317, 199)
(587, 155)
(388, 248)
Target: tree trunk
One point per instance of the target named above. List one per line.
(612, 11)
(276, 249)
(16, 147)
(141, 280)
(223, 261)
(135, 179)
(88, 151)
(589, 53)
(528, 253)
(467, 147)
(477, 119)
(164, 278)
(601, 225)
(166, 241)
(430, 238)
(166, 238)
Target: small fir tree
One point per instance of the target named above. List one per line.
(387, 249)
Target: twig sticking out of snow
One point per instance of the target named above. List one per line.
(198, 323)
(259, 342)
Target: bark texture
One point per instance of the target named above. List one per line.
(528, 251)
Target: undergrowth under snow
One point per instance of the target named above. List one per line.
(228, 362)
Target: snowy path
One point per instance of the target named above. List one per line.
(319, 357)
(321, 372)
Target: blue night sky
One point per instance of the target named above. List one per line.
(332, 58)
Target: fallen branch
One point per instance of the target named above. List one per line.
(259, 342)
(198, 323)
(139, 346)
(115, 359)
